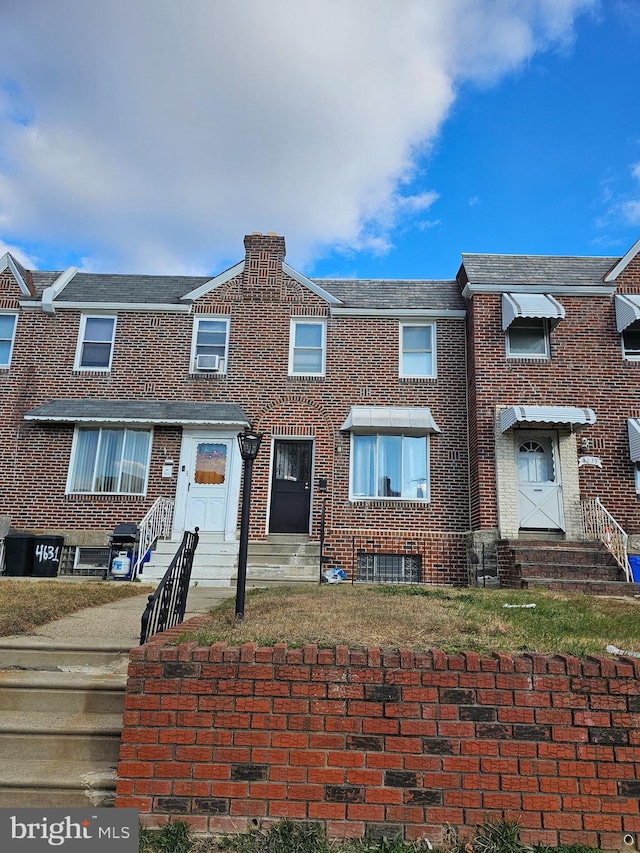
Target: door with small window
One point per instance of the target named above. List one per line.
(539, 487)
(206, 475)
(291, 486)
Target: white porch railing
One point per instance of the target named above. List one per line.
(598, 523)
(155, 525)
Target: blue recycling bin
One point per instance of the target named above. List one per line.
(634, 565)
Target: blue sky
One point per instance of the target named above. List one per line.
(381, 138)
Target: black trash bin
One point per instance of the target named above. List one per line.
(46, 555)
(18, 554)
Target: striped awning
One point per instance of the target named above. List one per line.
(372, 419)
(633, 425)
(567, 415)
(540, 305)
(627, 310)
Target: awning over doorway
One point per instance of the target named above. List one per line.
(539, 305)
(634, 439)
(148, 412)
(390, 419)
(569, 415)
(627, 310)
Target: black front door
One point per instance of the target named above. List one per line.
(291, 487)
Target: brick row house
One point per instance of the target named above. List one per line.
(423, 426)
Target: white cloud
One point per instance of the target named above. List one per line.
(152, 135)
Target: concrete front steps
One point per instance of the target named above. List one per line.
(283, 558)
(60, 724)
(581, 566)
(280, 559)
(214, 564)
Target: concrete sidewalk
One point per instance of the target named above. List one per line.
(114, 626)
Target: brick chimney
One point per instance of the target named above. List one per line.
(262, 279)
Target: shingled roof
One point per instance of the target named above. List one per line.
(395, 293)
(561, 270)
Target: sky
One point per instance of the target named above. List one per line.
(382, 138)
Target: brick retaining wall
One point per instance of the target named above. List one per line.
(370, 741)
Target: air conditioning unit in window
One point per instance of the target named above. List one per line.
(209, 362)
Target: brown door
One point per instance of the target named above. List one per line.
(291, 487)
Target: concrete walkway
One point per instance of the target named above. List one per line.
(114, 626)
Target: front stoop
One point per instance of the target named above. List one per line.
(60, 725)
(564, 566)
(283, 558)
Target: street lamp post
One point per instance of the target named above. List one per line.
(249, 442)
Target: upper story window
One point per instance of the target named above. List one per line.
(110, 460)
(7, 334)
(631, 341)
(390, 466)
(528, 337)
(308, 347)
(95, 343)
(417, 350)
(210, 348)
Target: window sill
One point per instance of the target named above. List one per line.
(91, 371)
(406, 379)
(206, 376)
(305, 377)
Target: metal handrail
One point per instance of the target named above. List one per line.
(167, 606)
(155, 525)
(599, 524)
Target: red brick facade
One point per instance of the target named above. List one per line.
(151, 358)
(371, 740)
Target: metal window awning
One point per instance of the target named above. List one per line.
(538, 305)
(142, 412)
(371, 419)
(633, 425)
(627, 310)
(567, 415)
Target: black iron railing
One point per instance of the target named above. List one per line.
(167, 606)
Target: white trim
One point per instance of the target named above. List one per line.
(624, 262)
(391, 499)
(50, 293)
(8, 262)
(74, 443)
(401, 351)
(214, 282)
(12, 339)
(197, 319)
(558, 289)
(77, 363)
(398, 313)
(307, 321)
(311, 285)
(110, 307)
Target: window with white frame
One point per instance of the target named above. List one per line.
(631, 341)
(95, 343)
(390, 466)
(210, 349)
(307, 350)
(528, 337)
(110, 460)
(417, 349)
(7, 333)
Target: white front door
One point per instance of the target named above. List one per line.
(205, 475)
(539, 487)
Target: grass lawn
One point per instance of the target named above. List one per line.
(25, 604)
(423, 617)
